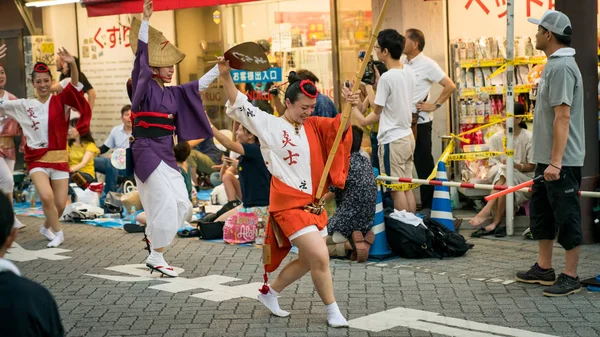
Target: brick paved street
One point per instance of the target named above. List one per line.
(214, 295)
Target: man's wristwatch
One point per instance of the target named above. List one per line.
(438, 105)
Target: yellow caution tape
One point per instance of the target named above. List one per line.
(474, 155)
(510, 153)
(402, 187)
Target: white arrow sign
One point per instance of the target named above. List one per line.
(20, 254)
(218, 293)
(435, 323)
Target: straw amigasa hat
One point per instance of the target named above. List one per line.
(161, 52)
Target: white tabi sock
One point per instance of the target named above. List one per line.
(59, 237)
(47, 233)
(335, 317)
(270, 301)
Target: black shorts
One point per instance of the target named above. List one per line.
(554, 207)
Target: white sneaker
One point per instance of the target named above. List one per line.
(156, 262)
(47, 232)
(59, 237)
(18, 224)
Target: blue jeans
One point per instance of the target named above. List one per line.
(103, 165)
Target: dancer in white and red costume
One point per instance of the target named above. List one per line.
(9, 128)
(45, 125)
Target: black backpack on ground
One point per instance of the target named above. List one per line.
(431, 240)
(446, 243)
(408, 241)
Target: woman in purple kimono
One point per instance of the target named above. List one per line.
(159, 112)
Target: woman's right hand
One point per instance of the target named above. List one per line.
(2, 51)
(148, 9)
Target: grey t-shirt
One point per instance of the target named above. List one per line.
(561, 83)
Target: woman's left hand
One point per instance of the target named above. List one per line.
(352, 98)
(66, 56)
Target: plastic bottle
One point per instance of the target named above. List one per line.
(32, 195)
(479, 108)
(463, 109)
(488, 109)
(260, 232)
(132, 215)
(470, 108)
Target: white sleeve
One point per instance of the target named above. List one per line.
(205, 81)
(251, 117)
(110, 141)
(66, 82)
(143, 34)
(382, 93)
(14, 108)
(435, 72)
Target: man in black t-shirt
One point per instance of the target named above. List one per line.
(26, 308)
(65, 74)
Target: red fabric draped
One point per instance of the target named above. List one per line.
(112, 7)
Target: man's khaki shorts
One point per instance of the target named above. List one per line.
(396, 159)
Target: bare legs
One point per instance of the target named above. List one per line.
(313, 256)
(404, 201)
(53, 195)
(233, 189)
(485, 214)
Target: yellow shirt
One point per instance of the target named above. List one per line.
(76, 153)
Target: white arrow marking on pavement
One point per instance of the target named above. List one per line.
(218, 292)
(20, 254)
(426, 321)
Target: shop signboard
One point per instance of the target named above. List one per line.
(243, 76)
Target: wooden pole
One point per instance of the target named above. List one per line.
(347, 107)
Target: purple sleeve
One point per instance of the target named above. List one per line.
(191, 122)
(140, 76)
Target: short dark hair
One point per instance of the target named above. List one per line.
(393, 41)
(182, 151)
(305, 74)
(125, 108)
(416, 36)
(7, 218)
(565, 40)
(293, 90)
(357, 135)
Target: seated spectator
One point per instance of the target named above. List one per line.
(27, 308)
(254, 178)
(203, 157)
(324, 106)
(350, 227)
(182, 152)
(523, 171)
(81, 150)
(117, 139)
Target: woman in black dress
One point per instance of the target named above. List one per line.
(355, 212)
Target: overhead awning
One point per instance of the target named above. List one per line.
(113, 7)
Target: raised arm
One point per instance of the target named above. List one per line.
(205, 81)
(141, 74)
(238, 107)
(227, 142)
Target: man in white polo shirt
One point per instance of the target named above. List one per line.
(427, 72)
(117, 139)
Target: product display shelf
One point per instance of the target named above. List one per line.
(480, 99)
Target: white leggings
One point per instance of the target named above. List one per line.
(7, 182)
